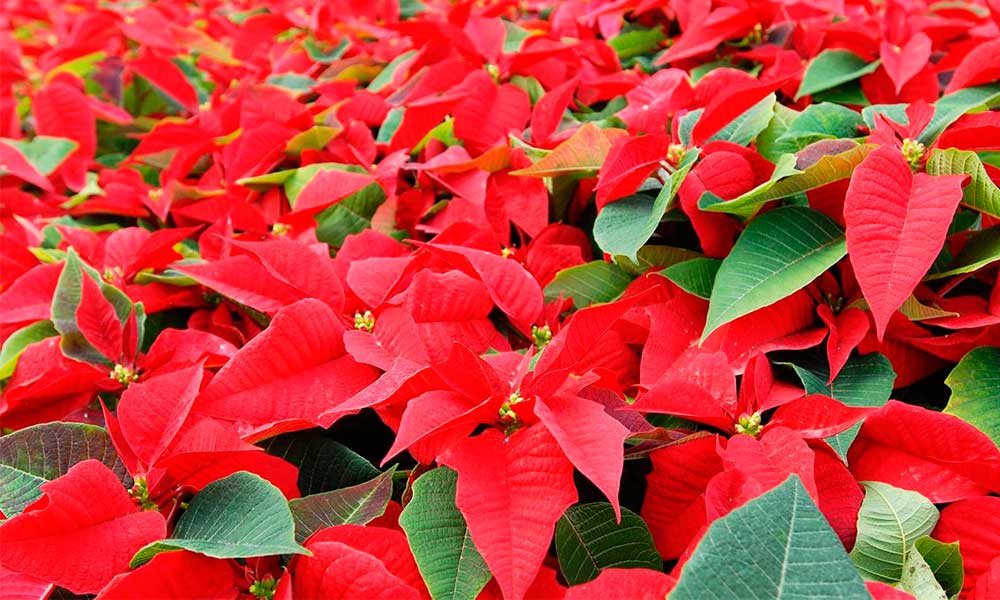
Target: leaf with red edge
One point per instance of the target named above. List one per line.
(938, 455)
(896, 223)
(591, 438)
(635, 584)
(13, 162)
(583, 153)
(81, 533)
(903, 64)
(98, 322)
(288, 375)
(203, 577)
(168, 78)
(511, 493)
(817, 416)
(975, 524)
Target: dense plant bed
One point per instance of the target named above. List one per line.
(430, 299)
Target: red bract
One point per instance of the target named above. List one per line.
(499, 300)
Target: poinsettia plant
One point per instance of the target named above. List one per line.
(436, 299)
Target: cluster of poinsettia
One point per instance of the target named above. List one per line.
(621, 290)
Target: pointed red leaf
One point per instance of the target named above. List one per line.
(903, 64)
(548, 111)
(490, 112)
(935, 454)
(330, 186)
(840, 496)
(151, 412)
(97, 320)
(511, 493)
(975, 524)
(387, 545)
(699, 385)
(778, 453)
(339, 572)
(81, 533)
(203, 577)
(817, 416)
(730, 104)
(13, 162)
(896, 224)
(629, 163)
(168, 77)
(846, 331)
(301, 267)
(245, 280)
(981, 65)
(592, 439)
(291, 373)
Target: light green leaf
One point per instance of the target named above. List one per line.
(45, 153)
(637, 42)
(696, 276)
(624, 226)
(440, 541)
(777, 546)
(29, 457)
(355, 505)
(982, 250)
(654, 256)
(314, 138)
(981, 193)
(788, 180)
(770, 144)
(945, 561)
(949, 108)
(975, 391)
(918, 578)
(589, 283)
(21, 339)
(831, 68)
(239, 516)
(890, 520)
(777, 254)
(588, 540)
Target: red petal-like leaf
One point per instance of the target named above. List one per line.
(13, 162)
(902, 64)
(151, 412)
(817, 416)
(896, 224)
(975, 524)
(511, 493)
(81, 533)
(159, 579)
(635, 584)
(97, 320)
(168, 77)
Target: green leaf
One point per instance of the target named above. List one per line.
(918, 578)
(624, 226)
(983, 249)
(21, 339)
(351, 215)
(240, 516)
(588, 540)
(45, 153)
(385, 76)
(787, 180)
(949, 108)
(777, 546)
(29, 457)
(743, 129)
(890, 520)
(314, 138)
(770, 143)
(637, 42)
(822, 121)
(696, 276)
(324, 463)
(831, 68)
(589, 283)
(945, 561)
(356, 505)
(440, 541)
(981, 193)
(778, 254)
(650, 257)
(975, 391)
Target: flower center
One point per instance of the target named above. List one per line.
(123, 375)
(264, 588)
(749, 424)
(913, 152)
(364, 321)
(541, 336)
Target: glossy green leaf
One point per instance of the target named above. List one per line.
(589, 283)
(945, 561)
(949, 108)
(980, 193)
(696, 276)
(918, 578)
(778, 254)
(29, 457)
(440, 541)
(788, 180)
(355, 505)
(822, 121)
(890, 520)
(324, 463)
(777, 546)
(982, 250)
(588, 540)
(975, 391)
(831, 68)
(14, 345)
(239, 516)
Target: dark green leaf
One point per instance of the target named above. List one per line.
(355, 505)
(831, 68)
(588, 284)
(324, 464)
(696, 276)
(588, 540)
